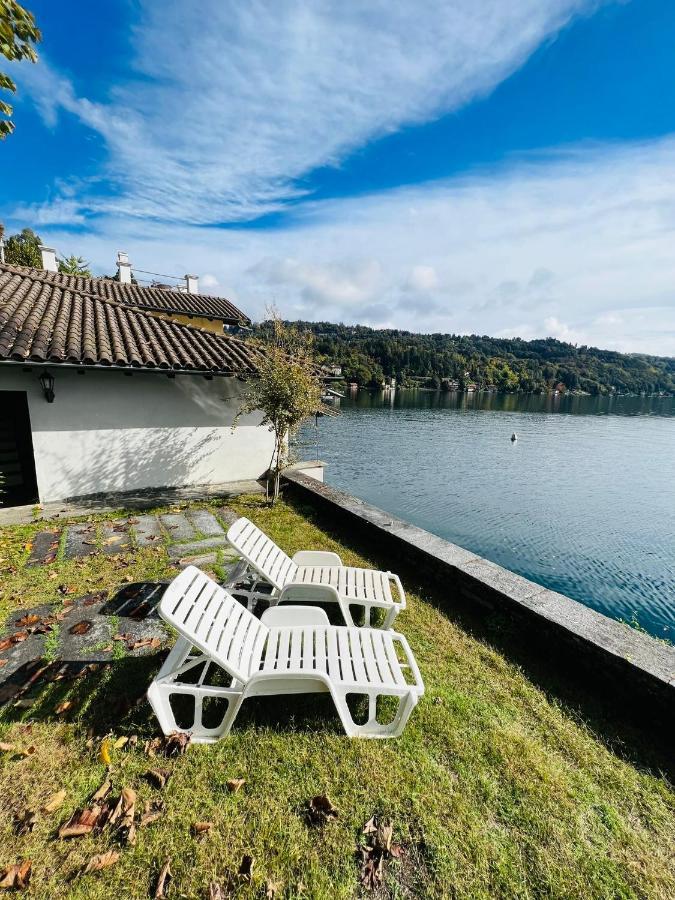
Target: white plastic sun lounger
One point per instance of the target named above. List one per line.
(293, 579)
(290, 650)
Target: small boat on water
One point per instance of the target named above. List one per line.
(514, 437)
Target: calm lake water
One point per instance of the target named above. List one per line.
(583, 502)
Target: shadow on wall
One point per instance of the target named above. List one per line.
(165, 460)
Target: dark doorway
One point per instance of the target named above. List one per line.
(18, 483)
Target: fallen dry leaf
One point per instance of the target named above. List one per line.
(81, 627)
(28, 619)
(120, 742)
(25, 822)
(152, 812)
(152, 746)
(157, 777)
(246, 868)
(26, 751)
(65, 589)
(320, 810)
(201, 828)
(54, 802)
(176, 743)
(101, 861)
(372, 869)
(3, 663)
(235, 784)
(64, 707)
(16, 877)
(104, 752)
(374, 854)
(102, 792)
(122, 813)
(162, 881)
(145, 643)
(82, 821)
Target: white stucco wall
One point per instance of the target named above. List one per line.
(106, 431)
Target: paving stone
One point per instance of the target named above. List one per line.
(204, 561)
(205, 522)
(114, 540)
(147, 531)
(227, 515)
(178, 527)
(178, 550)
(80, 540)
(44, 549)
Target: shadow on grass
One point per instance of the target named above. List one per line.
(135, 601)
(593, 701)
(111, 696)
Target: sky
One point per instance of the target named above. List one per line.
(463, 166)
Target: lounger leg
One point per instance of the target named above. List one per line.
(165, 686)
(372, 728)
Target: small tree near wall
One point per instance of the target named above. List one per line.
(287, 391)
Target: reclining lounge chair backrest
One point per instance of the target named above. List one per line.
(262, 553)
(208, 616)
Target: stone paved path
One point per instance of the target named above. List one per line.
(94, 628)
(196, 532)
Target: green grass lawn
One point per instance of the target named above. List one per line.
(494, 790)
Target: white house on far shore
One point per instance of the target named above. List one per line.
(106, 388)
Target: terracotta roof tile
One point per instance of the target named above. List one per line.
(150, 298)
(42, 321)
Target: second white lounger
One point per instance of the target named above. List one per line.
(291, 579)
(290, 650)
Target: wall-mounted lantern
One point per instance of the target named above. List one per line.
(47, 382)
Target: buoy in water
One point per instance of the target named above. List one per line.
(514, 437)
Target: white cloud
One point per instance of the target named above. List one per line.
(577, 245)
(232, 106)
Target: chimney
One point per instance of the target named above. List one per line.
(192, 282)
(123, 267)
(48, 259)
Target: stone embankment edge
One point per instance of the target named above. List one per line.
(635, 667)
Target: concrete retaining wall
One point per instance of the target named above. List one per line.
(630, 666)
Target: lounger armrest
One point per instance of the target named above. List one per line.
(291, 616)
(316, 558)
(399, 587)
(418, 687)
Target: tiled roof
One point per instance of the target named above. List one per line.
(150, 298)
(43, 322)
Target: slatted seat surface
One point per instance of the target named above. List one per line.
(354, 656)
(219, 626)
(262, 553)
(215, 622)
(349, 581)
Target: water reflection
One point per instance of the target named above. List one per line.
(583, 502)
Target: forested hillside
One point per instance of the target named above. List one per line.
(367, 356)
